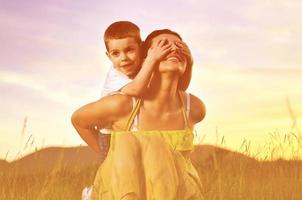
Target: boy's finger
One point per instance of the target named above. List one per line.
(167, 46)
(159, 42)
(184, 48)
(162, 42)
(182, 45)
(179, 44)
(166, 51)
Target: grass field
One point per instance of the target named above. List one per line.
(224, 174)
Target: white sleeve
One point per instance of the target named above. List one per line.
(114, 81)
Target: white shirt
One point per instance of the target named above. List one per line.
(114, 81)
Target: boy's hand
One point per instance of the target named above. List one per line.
(184, 49)
(159, 51)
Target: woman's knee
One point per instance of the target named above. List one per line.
(126, 145)
(160, 169)
(158, 148)
(130, 196)
(126, 154)
(159, 157)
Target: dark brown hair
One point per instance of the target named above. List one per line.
(185, 79)
(120, 30)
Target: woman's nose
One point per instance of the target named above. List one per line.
(173, 47)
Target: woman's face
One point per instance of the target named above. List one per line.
(174, 61)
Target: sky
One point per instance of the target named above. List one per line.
(247, 65)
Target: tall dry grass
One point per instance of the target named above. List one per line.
(225, 175)
(59, 184)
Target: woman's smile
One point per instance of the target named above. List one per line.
(175, 57)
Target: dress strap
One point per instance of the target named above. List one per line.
(134, 126)
(188, 105)
(185, 108)
(133, 118)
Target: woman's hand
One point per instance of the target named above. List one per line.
(184, 49)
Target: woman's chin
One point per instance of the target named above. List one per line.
(172, 67)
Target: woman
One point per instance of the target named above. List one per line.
(152, 136)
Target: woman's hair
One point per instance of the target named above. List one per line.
(185, 79)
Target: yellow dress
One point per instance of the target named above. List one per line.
(150, 164)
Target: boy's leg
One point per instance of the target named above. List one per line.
(104, 143)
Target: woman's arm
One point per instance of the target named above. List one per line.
(88, 119)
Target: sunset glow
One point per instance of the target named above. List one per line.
(247, 65)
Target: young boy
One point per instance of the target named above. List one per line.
(130, 74)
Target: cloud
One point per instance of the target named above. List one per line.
(51, 90)
(21, 80)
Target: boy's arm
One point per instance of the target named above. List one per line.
(98, 114)
(141, 81)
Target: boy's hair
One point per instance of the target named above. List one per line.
(185, 79)
(120, 30)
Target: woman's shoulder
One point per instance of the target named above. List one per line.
(103, 111)
(197, 109)
(117, 102)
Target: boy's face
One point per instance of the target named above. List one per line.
(125, 55)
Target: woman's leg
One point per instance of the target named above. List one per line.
(127, 171)
(130, 196)
(160, 170)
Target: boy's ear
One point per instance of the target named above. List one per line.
(108, 55)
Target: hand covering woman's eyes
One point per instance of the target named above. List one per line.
(166, 42)
(184, 49)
